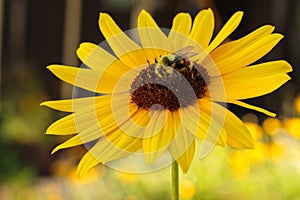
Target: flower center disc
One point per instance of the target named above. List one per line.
(160, 85)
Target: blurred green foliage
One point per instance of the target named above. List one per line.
(22, 123)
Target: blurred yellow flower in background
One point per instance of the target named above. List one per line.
(270, 144)
(239, 163)
(126, 177)
(162, 92)
(187, 189)
(271, 125)
(297, 104)
(292, 125)
(255, 130)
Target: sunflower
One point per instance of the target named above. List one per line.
(155, 94)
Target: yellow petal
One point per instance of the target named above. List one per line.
(248, 54)
(72, 105)
(182, 147)
(87, 162)
(180, 30)
(158, 136)
(94, 56)
(207, 127)
(111, 147)
(151, 35)
(120, 43)
(83, 119)
(203, 27)
(132, 120)
(63, 126)
(115, 145)
(227, 29)
(107, 26)
(115, 79)
(185, 160)
(99, 59)
(238, 136)
(119, 113)
(92, 80)
(88, 135)
(62, 105)
(84, 78)
(182, 23)
(253, 87)
(258, 109)
(260, 70)
(232, 47)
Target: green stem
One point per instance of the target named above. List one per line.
(175, 181)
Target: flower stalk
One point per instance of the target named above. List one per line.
(175, 181)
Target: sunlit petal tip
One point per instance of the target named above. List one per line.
(145, 20)
(185, 166)
(237, 17)
(245, 146)
(47, 133)
(86, 45)
(50, 67)
(270, 114)
(268, 28)
(239, 14)
(84, 50)
(277, 36)
(185, 170)
(50, 131)
(249, 145)
(55, 150)
(271, 27)
(182, 24)
(251, 107)
(182, 21)
(103, 15)
(87, 162)
(287, 65)
(143, 12)
(226, 30)
(83, 44)
(108, 26)
(210, 11)
(49, 103)
(53, 68)
(181, 15)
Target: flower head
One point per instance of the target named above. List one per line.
(165, 89)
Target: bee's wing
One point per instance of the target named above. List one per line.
(186, 52)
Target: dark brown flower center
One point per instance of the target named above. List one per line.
(171, 83)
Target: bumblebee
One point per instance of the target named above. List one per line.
(166, 65)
